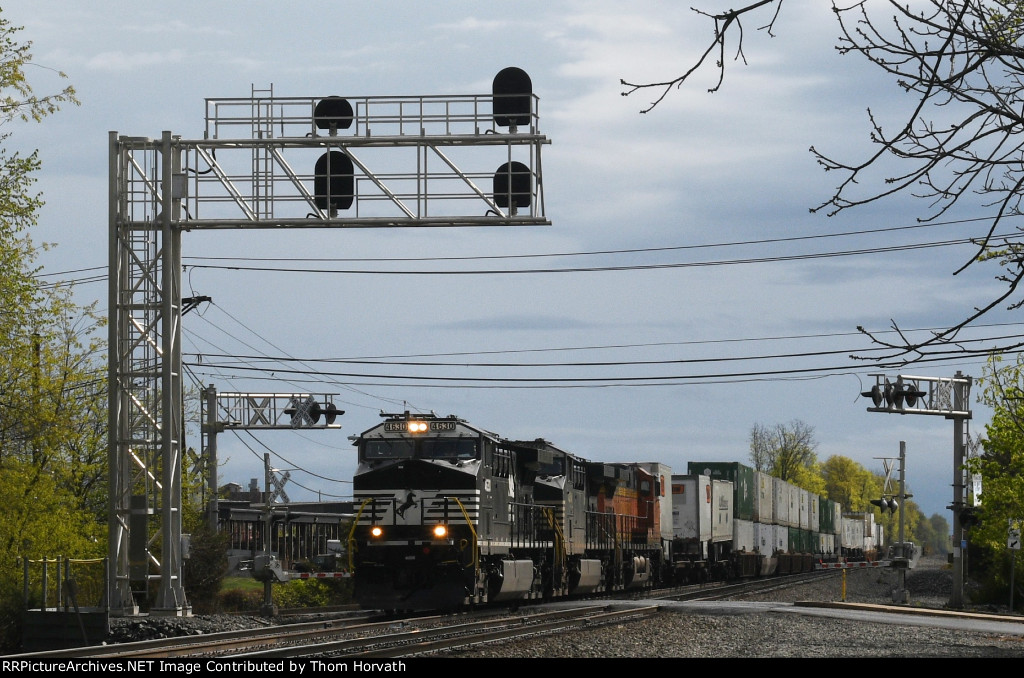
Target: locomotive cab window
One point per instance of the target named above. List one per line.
(387, 448)
(553, 467)
(448, 448)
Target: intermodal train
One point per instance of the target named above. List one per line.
(449, 514)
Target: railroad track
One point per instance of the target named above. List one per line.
(428, 640)
(391, 637)
(380, 639)
(745, 587)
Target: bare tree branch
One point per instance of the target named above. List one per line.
(723, 22)
(962, 62)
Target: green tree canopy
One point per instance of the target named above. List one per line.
(52, 390)
(1001, 467)
(787, 451)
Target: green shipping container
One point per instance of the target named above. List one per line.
(741, 477)
(827, 516)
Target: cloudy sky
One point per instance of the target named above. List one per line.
(682, 261)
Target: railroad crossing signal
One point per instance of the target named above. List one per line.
(944, 397)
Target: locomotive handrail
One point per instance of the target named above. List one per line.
(560, 550)
(352, 535)
(472, 531)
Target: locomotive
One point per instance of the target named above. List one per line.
(449, 514)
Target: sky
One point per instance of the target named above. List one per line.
(681, 248)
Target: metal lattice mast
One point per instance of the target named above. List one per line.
(145, 417)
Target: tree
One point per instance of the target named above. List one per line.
(961, 62)
(52, 393)
(1001, 466)
(786, 451)
(849, 483)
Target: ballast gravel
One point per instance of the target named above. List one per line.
(696, 633)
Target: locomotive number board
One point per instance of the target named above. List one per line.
(403, 426)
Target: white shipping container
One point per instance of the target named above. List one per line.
(780, 502)
(691, 508)
(815, 515)
(722, 509)
(853, 531)
(794, 505)
(781, 538)
(764, 492)
(743, 536)
(803, 499)
(764, 537)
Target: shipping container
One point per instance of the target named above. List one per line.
(764, 493)
(853, 533)
(813, 508)
(740, 475)
(723, 510)
(782, 500)
(691, 508)
(804, 506)
(826, 516)
(743, 536)
(663, 497)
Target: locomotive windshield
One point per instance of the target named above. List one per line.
(448, 448)
(427, 448)
(388, 448)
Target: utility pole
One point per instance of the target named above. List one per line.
(902, 561)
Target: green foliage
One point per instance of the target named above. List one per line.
(239, 600)
(786, 451)
(312, 593)
(1001, 468)
(52, 393)
(204, 569)
(850, 484)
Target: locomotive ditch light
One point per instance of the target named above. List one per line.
(377, 531)
(440, 531)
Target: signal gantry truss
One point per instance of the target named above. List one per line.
(274, 162)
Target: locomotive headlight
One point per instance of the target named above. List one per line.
(417, 426)
(440, 531)
(377, 531)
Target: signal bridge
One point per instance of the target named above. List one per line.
(284, 163)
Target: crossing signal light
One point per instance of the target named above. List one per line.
(895, 396)
(969, 516)
(309, 412)
(889, 505)
(334, 183)
(912, 393)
